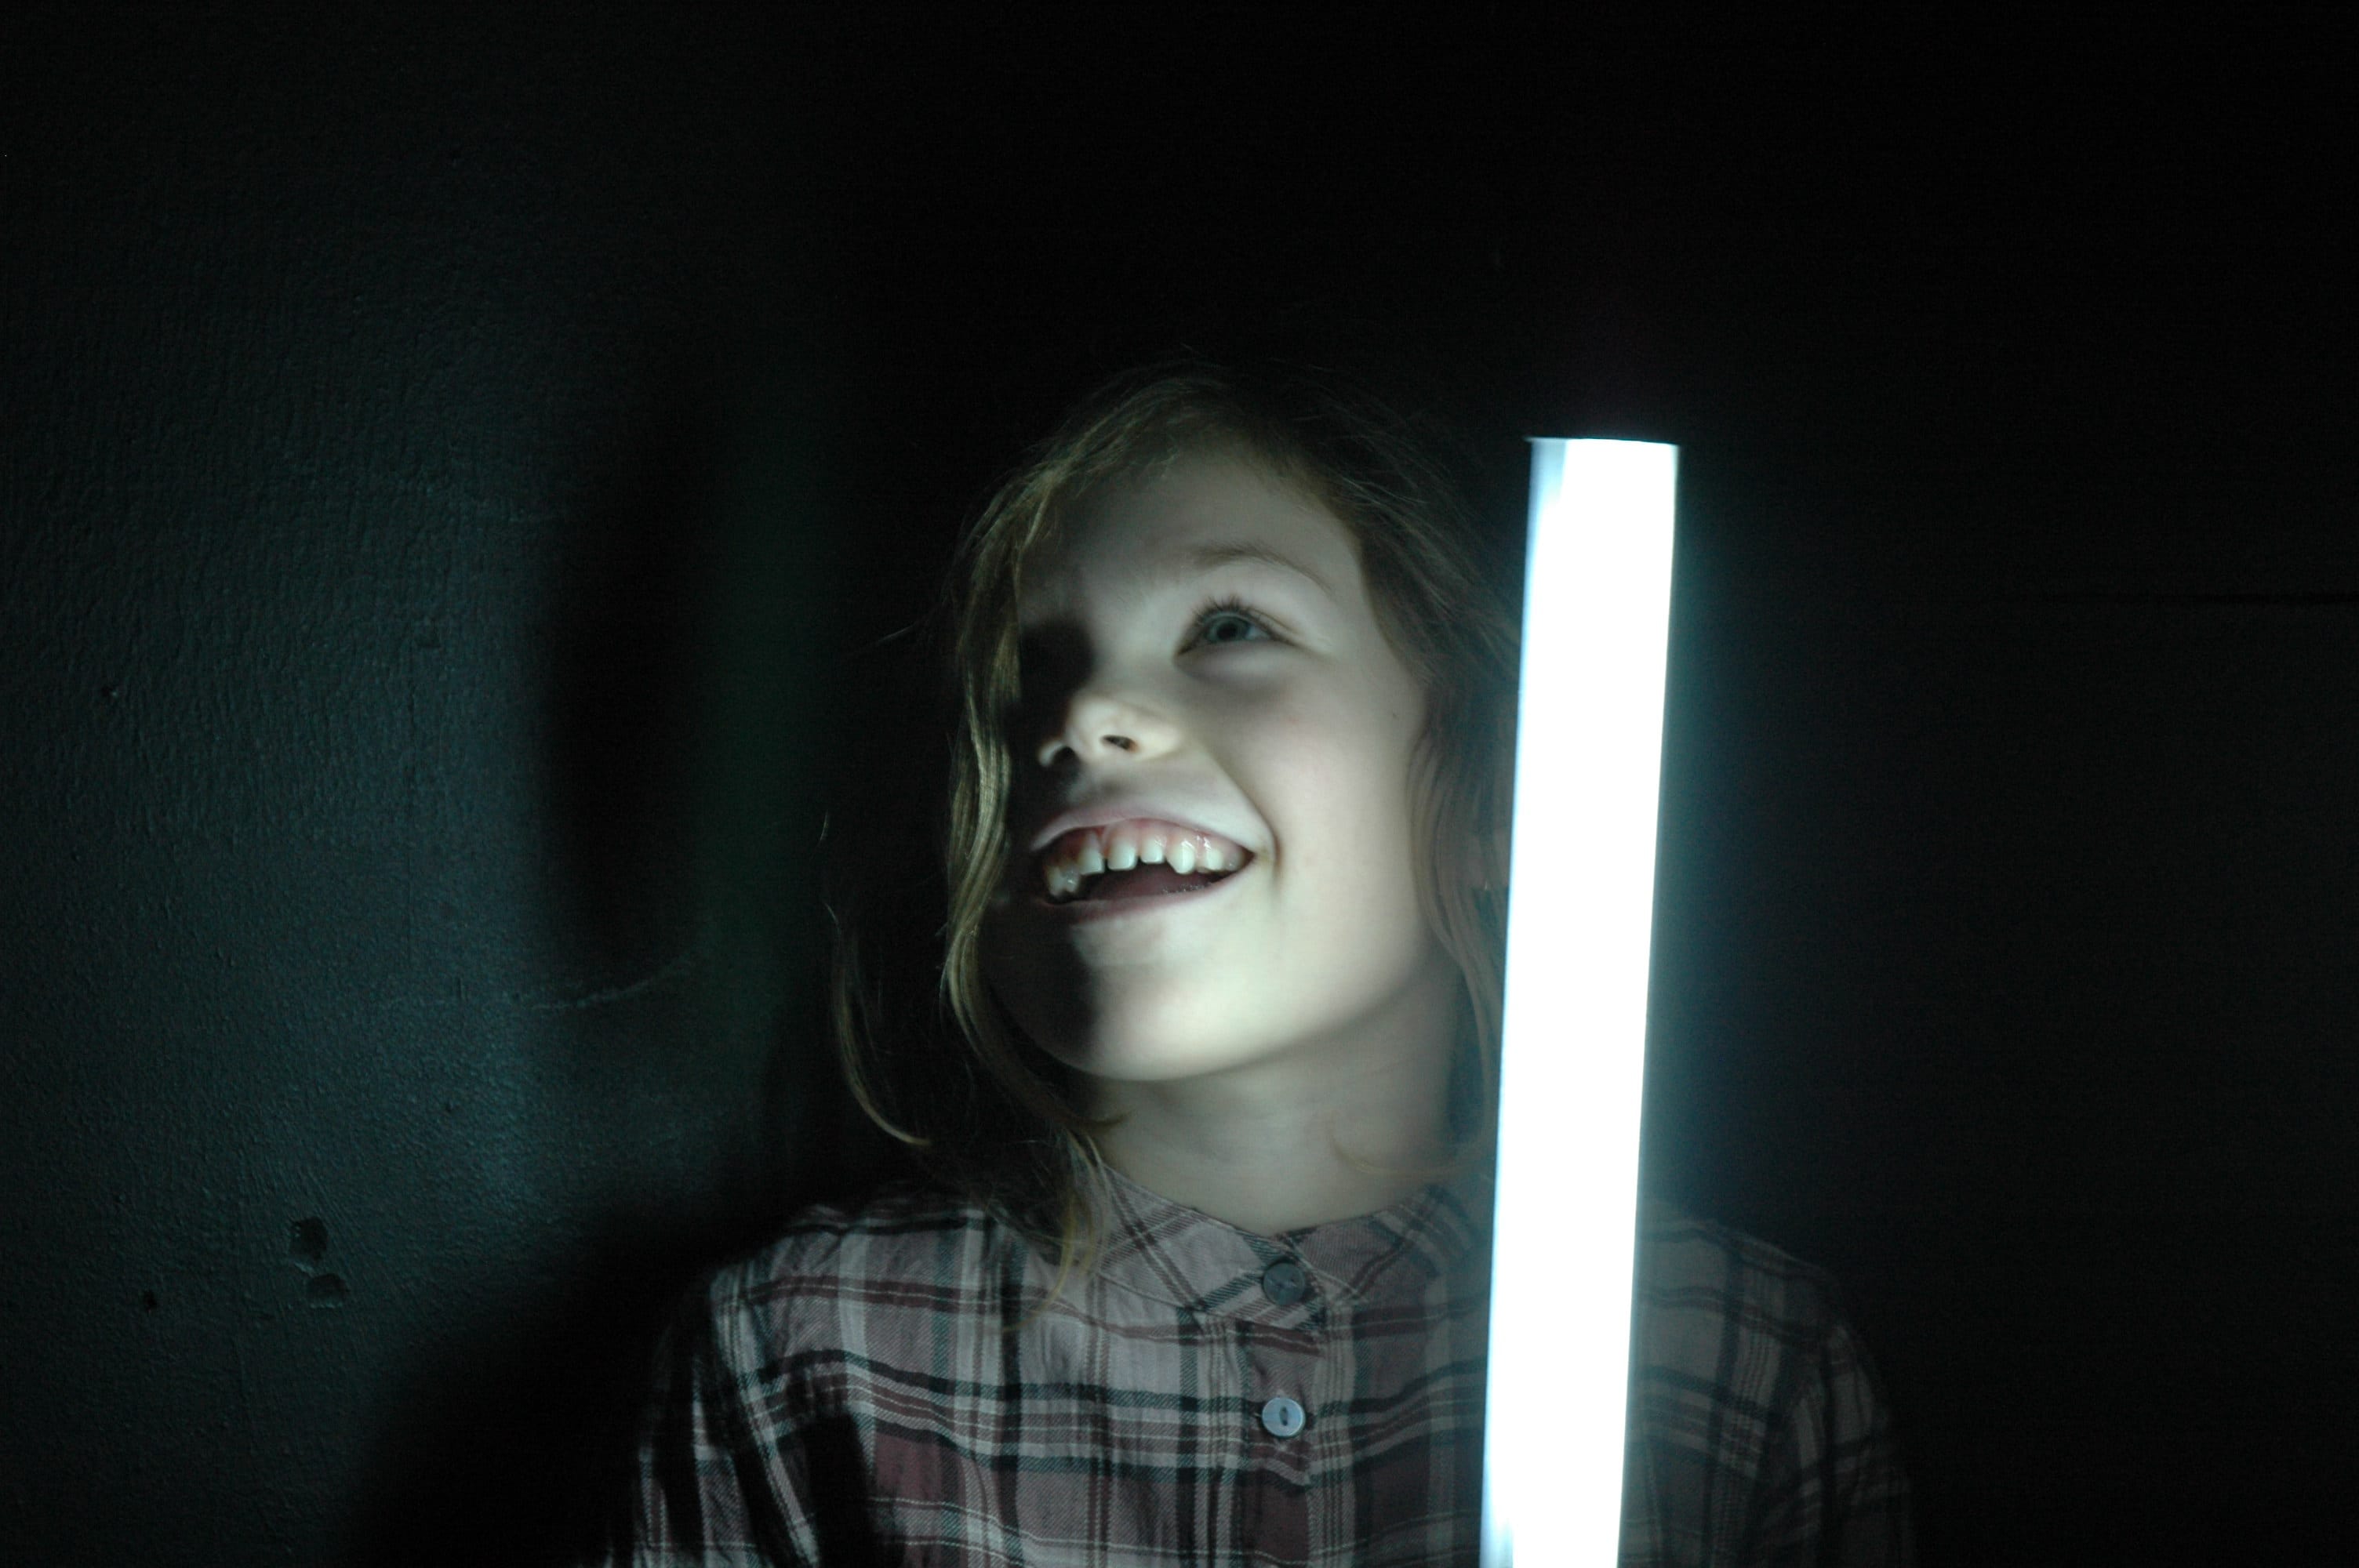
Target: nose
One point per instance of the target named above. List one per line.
(1100, 723)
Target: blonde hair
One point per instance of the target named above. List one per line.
(1011, 1135)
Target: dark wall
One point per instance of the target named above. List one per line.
(458, 477)
(412, 562)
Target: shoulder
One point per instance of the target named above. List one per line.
(1724, 1316)
(907, 1251)
(904, 1234)
(1704, 1272)
(1758, 1414)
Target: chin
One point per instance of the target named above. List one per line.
(1159, 1057)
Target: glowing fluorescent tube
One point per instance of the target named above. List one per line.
(1588, 773)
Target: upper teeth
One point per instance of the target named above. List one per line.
(1075, 857)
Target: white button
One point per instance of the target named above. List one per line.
(1281, 1417)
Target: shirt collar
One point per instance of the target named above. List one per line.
(1186, 1258)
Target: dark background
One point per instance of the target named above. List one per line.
(462, 478)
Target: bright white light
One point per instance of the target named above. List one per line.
(1588, 773)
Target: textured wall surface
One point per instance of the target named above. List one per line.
(461, 481)
(409, 579)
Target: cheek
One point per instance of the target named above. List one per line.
(1036, 982)
(1347, 818)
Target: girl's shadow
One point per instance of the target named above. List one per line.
(510, 1445)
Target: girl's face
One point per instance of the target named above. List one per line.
(1206, 685)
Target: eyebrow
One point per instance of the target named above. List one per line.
(1205, 558)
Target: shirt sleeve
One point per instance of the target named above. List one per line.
(718, 1478)
(1832, 1494)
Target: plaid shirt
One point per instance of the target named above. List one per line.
(854, 1395)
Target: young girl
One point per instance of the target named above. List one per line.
(1200, 1275)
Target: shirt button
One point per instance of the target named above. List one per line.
(1281, 1417)
(1284, 1282)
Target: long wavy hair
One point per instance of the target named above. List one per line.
(974, 1101)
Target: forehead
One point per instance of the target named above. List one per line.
(1201, 510)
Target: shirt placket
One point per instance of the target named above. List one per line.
(1282, 1345)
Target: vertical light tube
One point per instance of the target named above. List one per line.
(1580, 908)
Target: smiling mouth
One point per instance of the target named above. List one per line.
(1141, 859)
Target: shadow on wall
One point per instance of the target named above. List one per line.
(685, 687)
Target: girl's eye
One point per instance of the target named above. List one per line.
(1223, 624)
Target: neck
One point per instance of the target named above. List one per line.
(1296, 1142)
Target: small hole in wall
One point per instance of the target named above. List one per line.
(309, 1240)
(148, 1302)
(326, 1290)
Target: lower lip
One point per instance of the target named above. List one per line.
(1089, 910)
